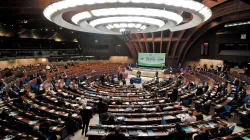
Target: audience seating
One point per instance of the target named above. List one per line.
(151, 109)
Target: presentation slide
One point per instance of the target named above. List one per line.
(151, 59)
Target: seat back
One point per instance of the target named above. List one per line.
(163, 121)
(231, 129)
(227, 108)
(245, 99)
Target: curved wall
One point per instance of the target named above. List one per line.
(215, 37)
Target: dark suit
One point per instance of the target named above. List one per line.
(86, 116)
(174, 94)
(101, 108)
(69, 125)
(199, 92)
(236, 82)
(156, 74)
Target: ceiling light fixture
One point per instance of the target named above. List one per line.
(237, 24)
(131, 15)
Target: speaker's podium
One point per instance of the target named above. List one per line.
(135, 80)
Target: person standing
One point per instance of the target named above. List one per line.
(138, 74)
(194, 67)
(199, 91)
(179, 66)
(86, 116)
(101, 107)
(156, 74)
(174, 96)
(69, 124)
(199, 67)
(102, 79)
(124, 81)
(219, 67)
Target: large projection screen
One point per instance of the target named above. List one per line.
(151, 59)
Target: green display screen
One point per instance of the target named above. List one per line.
(151, 59)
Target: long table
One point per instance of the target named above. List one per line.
(148, 72)
(149, 131)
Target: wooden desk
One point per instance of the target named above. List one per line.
(215, 107)
(148, 73)
(237, 136)
(241, 112)
(242, 71)
(17, 134)
(33, 123)
(152, 130)
(46, 109)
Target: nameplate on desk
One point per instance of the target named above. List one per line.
(202, 125)
(43, 107)
(211, 124)
(13, 113)
(168, 117)
(66, 114)
(144, 119)
(150, 133)
(78, 98)
(96, 131)
(32, 122)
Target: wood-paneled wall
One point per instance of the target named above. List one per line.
(20, 62)
(121, 59)
(202, 62)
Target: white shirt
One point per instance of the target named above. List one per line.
(189, 118)
(47, 67)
